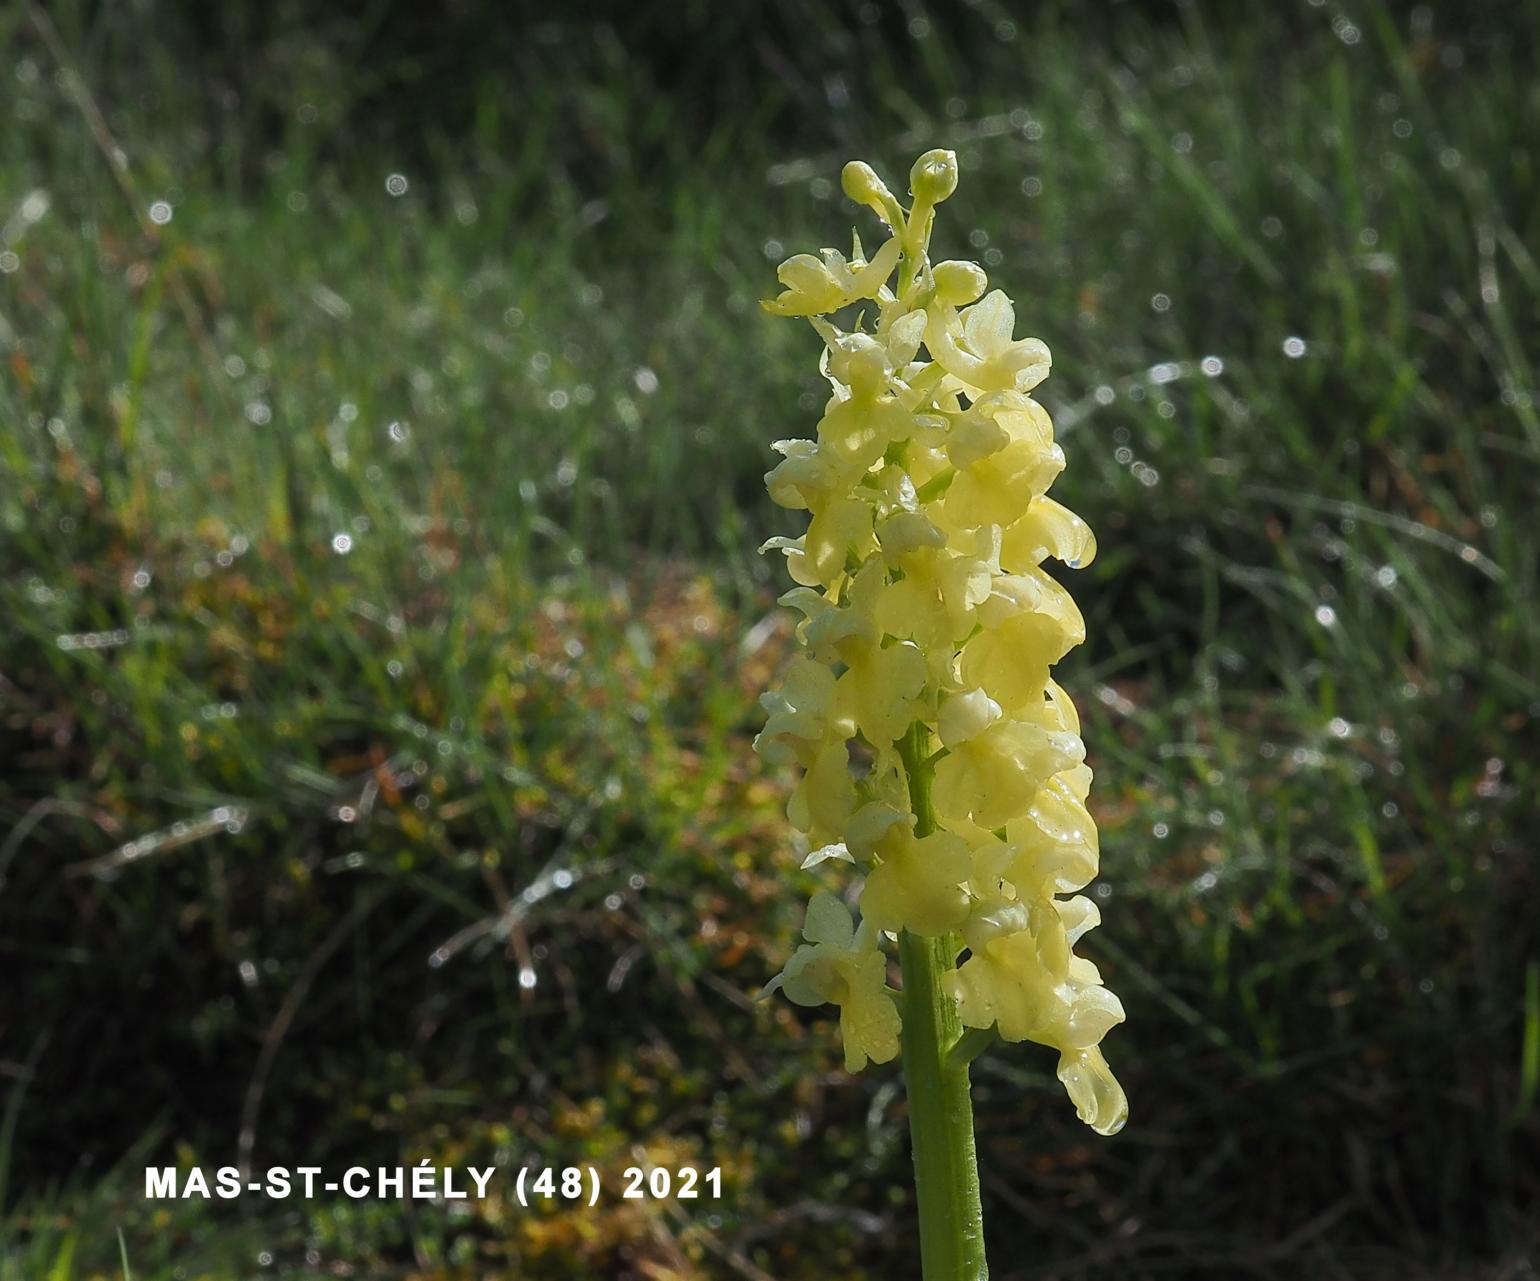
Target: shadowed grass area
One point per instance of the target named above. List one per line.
(378, 494)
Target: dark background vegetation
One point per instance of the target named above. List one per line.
(380, 624)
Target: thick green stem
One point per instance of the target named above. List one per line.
(946, 1174)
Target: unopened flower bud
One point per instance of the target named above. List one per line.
(934, 176)
(861, 183)
(959, 283)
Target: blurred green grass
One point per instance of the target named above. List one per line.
(383, 628)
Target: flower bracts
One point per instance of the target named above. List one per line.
(937, 752)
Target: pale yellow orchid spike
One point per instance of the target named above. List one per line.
(929, 635)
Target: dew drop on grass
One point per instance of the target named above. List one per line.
(1346, 31)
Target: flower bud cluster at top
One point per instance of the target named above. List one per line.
(937, 752)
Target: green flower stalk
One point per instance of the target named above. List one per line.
(938, 756)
